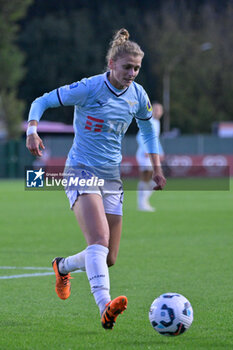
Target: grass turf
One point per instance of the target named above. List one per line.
(185, 246)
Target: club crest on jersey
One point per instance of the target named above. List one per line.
(148, 106)
(132, 103)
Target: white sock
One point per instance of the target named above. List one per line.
(143, 193)
(97, 274)
(72, 263)
(151, 185)
(145, 190)
(142, 185)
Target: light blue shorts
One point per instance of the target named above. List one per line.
(111, 191)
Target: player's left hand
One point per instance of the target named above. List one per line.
(159, 179)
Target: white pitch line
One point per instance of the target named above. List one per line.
(26, 275)
(25, 268)
(36, 274)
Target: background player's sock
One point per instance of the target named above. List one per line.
(145, 190)
(72, 263)
(149, 189)
(97, 274)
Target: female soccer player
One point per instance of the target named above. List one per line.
(104, 106)
(146, 184)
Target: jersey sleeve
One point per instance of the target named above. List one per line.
(145, 109)
(74, 94)
(39, 105)
(147, 131)
(68, 95)
(148, 135)
(140, 141)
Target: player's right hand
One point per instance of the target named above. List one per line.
(35, 145)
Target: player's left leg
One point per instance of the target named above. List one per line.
(96, 226)
(89, 212)
(113, 208)
(116, 306)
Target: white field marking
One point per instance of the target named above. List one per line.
(26, 275)
(24, 268)
(36, 274)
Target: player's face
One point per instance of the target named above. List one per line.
(124, 70)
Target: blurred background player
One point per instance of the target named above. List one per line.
(146, 184)
(105, 105)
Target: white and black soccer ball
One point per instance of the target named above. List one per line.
(171, 314)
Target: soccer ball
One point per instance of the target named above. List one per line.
(171, 314)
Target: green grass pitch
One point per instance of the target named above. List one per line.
(186, 246)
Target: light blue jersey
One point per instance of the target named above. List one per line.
(102, 115)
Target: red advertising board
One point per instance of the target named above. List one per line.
(178, 165)
(188, 165)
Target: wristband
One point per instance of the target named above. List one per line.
(32, 129)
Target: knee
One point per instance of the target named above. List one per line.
(99, 239)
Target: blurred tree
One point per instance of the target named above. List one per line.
(65, 46)
(11, 60)
(66, 41)
(200, 76)
(60, 50)
(220, 32)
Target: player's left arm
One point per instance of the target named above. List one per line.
(148, 132)
(157, 175)
(151, 143)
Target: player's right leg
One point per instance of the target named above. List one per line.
(63, 285)
(73, 263)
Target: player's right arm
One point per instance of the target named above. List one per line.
(68, 95)
(33, 142)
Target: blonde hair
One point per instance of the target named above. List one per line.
(121, 45)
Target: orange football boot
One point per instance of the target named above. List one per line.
(63, 285)
(113, 309)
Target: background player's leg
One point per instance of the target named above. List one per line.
(145, 187)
